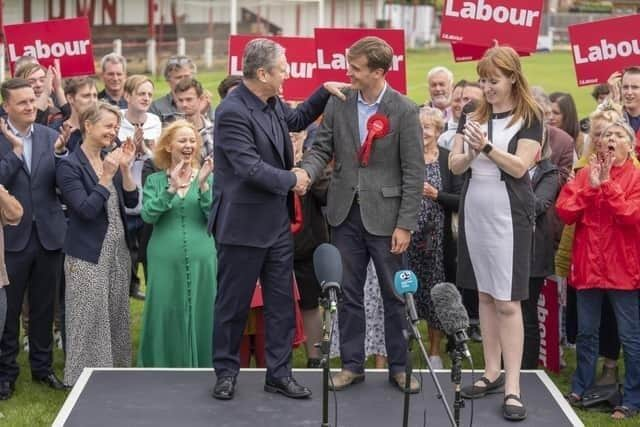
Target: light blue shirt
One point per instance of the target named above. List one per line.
(367, 110)
(27, 142)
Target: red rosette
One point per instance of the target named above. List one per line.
(377, 127)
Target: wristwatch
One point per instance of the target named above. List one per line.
(487, 148)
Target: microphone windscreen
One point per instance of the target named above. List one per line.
(470, 107)
(405, 282)
(449, 309)
(327, 264)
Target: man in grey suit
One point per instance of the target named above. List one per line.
(372, 206)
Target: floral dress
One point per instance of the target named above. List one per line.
(426, 248)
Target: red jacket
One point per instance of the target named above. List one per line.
(606, 248)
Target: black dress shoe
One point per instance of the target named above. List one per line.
(225, 388)
(137, 294)
(287, 386)
(51, 381)
(6, 390)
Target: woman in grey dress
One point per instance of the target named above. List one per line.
(96, 189)
(497, 144)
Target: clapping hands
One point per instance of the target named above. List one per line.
(599, 168)
(205, 171)
(16, 143)
(179, 176)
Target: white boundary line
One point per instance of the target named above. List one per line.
(559, 398)
(72, 399)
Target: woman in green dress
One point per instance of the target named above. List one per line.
(177, 323)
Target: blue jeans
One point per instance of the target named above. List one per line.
(625, 307)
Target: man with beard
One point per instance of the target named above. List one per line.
(440, 81)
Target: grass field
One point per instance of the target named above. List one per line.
(33, 405)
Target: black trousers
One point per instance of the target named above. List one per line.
(37, 270)
(357, 246)
(531, 352)
(239, 267)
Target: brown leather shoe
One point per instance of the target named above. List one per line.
(399, 380)
(344, 379)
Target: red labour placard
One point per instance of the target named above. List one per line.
(300, 52)
(480, 22)
(332, 45)
(68, 40)
(599, 48)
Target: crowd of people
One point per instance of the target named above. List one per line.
(491, 184)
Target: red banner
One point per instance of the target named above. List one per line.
(468, 52)
(481, 22)
(68, 40)
(300, 53)
(599, 48)
(332, 45)
(549, 321)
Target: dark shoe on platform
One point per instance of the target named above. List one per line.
(225, 388)
(344, 379)
(513, 412)
(287, 386)
(313, 363)
(473, 391)
(135, 293)
(51, 381)
(6, 390)
(399, 380)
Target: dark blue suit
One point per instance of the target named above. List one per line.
(87, 206)
(250, 218)
(32, 249)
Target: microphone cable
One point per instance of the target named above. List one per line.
(333, 389)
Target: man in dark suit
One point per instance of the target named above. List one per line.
(250, 217)
(371, 207)
(28, 156)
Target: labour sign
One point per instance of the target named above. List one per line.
(68, 40)
(300, 53)
(332, 46)
(602, 47)
(481, 22)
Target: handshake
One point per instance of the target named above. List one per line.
(303, 181)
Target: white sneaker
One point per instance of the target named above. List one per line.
(25, 344)
(436, 362)
(57, 339)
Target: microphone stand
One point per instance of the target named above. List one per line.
(456, 379)
(328, 319)
(414, 334)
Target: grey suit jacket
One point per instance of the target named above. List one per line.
(390, 187)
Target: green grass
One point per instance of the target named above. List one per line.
(34, 405)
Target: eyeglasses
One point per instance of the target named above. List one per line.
(179, 60)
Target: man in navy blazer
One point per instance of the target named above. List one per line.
(251, 213)
(28, 157)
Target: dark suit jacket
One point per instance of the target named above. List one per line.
(546, 186)
(449, 199)
(252, 179)
(86, 201)
(36, 192)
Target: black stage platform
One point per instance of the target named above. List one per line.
(181, 397)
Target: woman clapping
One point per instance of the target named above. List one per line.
(177, 322)
(96, 188)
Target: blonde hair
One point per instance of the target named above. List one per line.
(134, 82)
(94, 113)
(435, 115)
(24, 71)
(505, 60)
(162, 150)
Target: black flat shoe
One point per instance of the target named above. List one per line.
(287, 386)
(6, 390)
(513, 412)
(50, 381)
(473, 391)
(225, 388)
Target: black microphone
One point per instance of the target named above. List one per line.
(327, 265)
(452, 314)
(405, 284)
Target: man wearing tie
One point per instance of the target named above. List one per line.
(373, 199)
(251, 212)
(28, 155)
